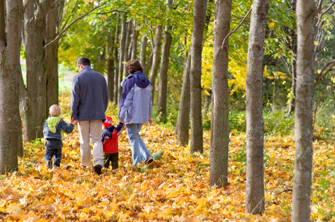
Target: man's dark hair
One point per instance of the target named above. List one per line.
(133, 66)
(84, 61)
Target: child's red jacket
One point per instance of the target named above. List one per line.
(110, 138)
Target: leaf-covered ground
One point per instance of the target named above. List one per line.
(175, 188)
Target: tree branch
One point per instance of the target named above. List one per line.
(330, 66)
(67, 20)
(328, 9)
(74, 21)
(239, 25)
(24, 8)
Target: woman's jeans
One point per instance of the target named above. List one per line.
(139, 151)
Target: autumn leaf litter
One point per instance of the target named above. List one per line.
(174, 188)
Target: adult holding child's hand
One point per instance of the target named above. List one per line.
(89, 101)
(136, 109)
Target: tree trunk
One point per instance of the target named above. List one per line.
(148, 65)
(220, 107)
(143, 50)
(51, 59)
(293, 47)
(18, 80)
(156, 58)
(134, 43)
(183, 121)
(303, 128)
(199, 15)
(254, 109)
(127, 47)
(116, 82)
(40, 64)
(163, 75)
(110, 67)
(9, 94)
(28, 104)
(122, 54)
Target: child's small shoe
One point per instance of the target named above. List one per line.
(115, 171)
(49, 164)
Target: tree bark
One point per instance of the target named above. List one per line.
(122, 54)
(183, 121)
(116, 82)
(156, 57)
(220, 92)
(199, 15)
(134, 43)
(148, 65)
(51, 59)
(9, 94)
(40, 63)
(303, 127)
(110, 67)
(163, 75)
(143, 50)
(254, 109)
(127, 47)
(28, 103)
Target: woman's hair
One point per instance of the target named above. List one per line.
(54, 110)
(133, 66)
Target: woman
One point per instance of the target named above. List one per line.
(136, 109)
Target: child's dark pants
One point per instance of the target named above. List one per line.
(111, 157)
(53, 149)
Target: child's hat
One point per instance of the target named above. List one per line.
(108, 122)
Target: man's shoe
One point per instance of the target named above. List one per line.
(149, 160)
(97, 169)
(49, 164)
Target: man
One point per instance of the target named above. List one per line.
(89, 102)
(136, 109)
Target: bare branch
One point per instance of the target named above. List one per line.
(74, 21)
(208, 35)
(67, 20)
(24, 9)
(328, 67)
(286, 190)
(239, 25)
(328, 9)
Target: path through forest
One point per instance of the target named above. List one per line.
(174, 188)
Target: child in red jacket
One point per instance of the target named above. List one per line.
(110, 144)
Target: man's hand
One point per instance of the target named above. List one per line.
(73, 121)
(150, 122)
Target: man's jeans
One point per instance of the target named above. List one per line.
(85, 128)
(139, 151)
(53, 149)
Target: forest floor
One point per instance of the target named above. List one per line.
(174, 188)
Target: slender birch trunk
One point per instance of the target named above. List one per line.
(183, 121)
(9, 94)
(199, 15)
(134, 43)
(220, 105)
(254, 109)
(303, 127)
(156, 57)
(127, 46)
(116, 58)
(122, 54)
(163, 75)
(110, 67)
